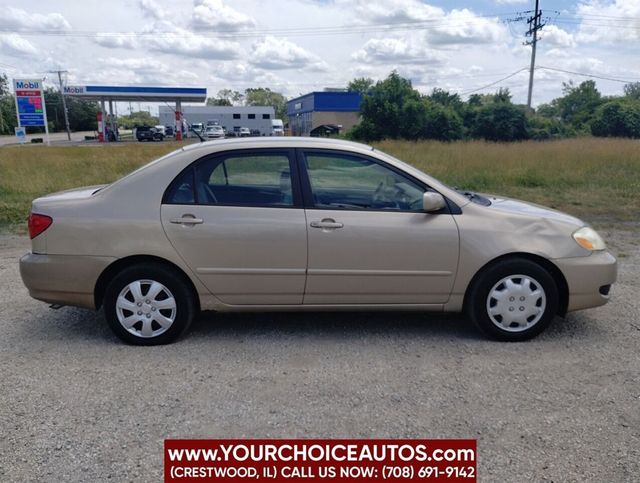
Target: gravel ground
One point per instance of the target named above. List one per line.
(77, 405)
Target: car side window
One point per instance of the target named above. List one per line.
(181, 191)
(343, 181)
(260, 179)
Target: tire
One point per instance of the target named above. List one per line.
(513, 300)
(168, 315)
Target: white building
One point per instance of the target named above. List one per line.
(232, 118)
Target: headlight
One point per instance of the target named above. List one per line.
(589, 239)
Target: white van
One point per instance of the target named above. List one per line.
(277, 127)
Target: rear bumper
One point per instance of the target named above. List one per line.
(588, 278)
(63, 279)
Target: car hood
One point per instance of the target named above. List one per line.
(524, 208)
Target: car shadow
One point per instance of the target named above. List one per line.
(70, 323)
(343, 324)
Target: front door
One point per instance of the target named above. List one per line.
(369, 240)
(237, 221)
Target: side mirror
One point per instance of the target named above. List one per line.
(432, 201)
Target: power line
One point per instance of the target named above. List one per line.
(494, 83)
(230, 33)
(595, 76)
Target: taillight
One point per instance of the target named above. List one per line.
(38, 224)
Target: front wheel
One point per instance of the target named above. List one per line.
(149, 305)
(513, 300)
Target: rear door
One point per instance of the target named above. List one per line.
(237, 221)
(370, 242)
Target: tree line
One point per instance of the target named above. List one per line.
(393, 109)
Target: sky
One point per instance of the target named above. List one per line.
(298, 46)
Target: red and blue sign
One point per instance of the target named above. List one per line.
(29, 102)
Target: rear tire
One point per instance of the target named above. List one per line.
(513, 300)
(149, 304)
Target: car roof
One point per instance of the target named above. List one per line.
(280, 141)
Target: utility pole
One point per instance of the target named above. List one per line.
(535, 24)
(64, 101)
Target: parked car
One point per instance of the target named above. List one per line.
(169, 130)
(214, 132)
(161, 129)
(255, 132)
(148, 133)
(244, 132)
(281, 223)
(197, 127)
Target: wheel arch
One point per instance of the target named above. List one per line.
(548, 265)
(117, 266)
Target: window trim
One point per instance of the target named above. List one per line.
(293, 168)
(307, 191)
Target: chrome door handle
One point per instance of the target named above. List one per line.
(187, 220)
(326, 224)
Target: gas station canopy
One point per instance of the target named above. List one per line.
(138, 93)
(112, 94)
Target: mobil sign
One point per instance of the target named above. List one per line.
(30, 102)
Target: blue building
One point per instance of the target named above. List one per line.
(309, 114)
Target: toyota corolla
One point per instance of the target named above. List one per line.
(306, 224)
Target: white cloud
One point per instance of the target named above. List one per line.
(511, 2)
(598, 26)
(151, 8)
(278, 53)
(556, 37)
(18, 19)
(215, 14)
(396, 51)
(464, 26)
(398, 11)
(171, 39)
(16, 45)
(116, 41)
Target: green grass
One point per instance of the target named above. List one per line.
(596, 179)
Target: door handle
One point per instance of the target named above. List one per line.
(327, 224)
(187, 220)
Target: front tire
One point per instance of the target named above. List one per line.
(149, 304)
(513, 300)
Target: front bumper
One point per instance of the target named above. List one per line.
(63, 279)
(587, 278)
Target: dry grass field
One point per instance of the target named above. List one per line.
(596, 179)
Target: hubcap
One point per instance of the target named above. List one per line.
(516, 303)
(146, 308)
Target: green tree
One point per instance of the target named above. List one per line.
(137, 118)
(226, 97)
(617, 118)
(263, 96)
(632, 90)
(7, 107)
(500, 121)
(383, 109)
(445, 98)
(579, 103)
(361, 84)
(442, 123)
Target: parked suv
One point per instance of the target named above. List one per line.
(148, 133)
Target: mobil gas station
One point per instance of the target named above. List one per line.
(108, 95)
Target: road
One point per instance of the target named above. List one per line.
(78, 405)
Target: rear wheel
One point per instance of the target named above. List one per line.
(148, 305)
(513, 300)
